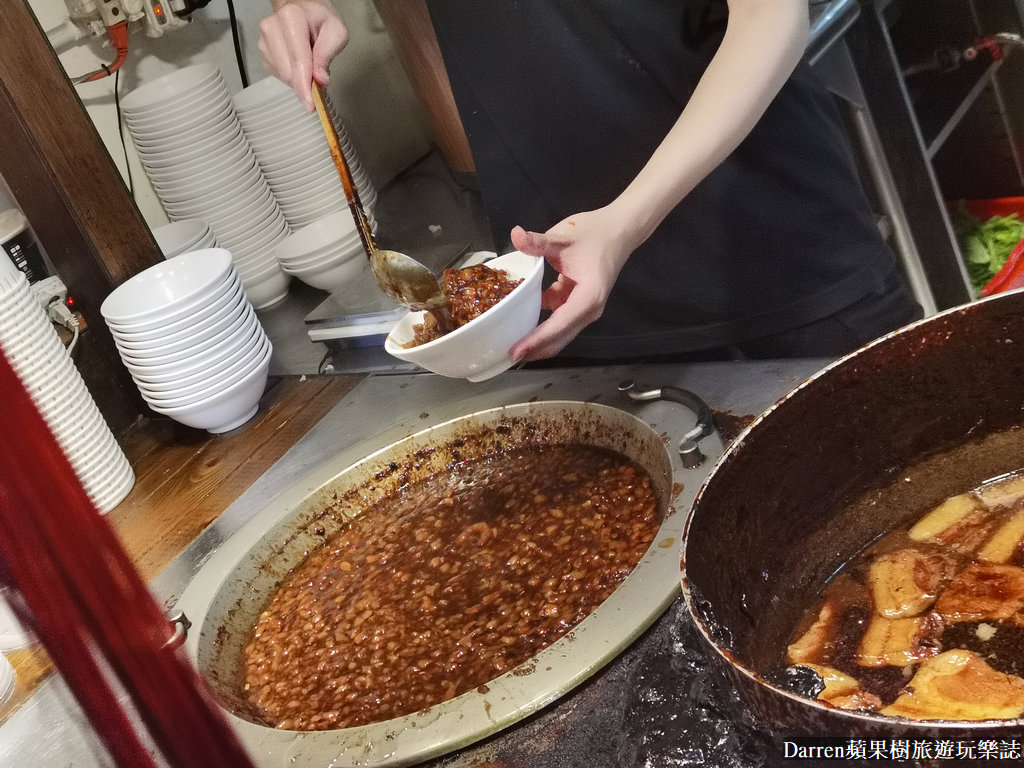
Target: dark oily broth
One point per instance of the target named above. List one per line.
(447, 584)
(928, 621)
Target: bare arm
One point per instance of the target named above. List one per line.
(763, 42)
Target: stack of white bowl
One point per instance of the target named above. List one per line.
(326, 254)
(292, 150)
(201, 166)
(49, 375)
(183, 236)
(191, 340)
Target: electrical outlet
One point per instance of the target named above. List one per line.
(50, 289)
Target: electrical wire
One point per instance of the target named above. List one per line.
(119, 37)
(120, 131)
(238, 44)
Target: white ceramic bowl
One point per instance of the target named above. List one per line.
(177, 237)
(194, 332)
(210, 339)
(333, 277)
(343, 250)
(209, 357)
(269, 89)
(325, 231)
(229, 408)
(186, 394)
(186, 377)
(162, 89)
(209, 100)
(265, 291)
(189, 132)
(225, 141)
(162, 290)
(479, 349)
(206, 314)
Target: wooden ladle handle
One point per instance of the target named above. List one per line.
(351, 193)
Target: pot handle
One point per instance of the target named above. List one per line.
(181, 625)
(689, 451)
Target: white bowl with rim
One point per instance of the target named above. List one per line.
(479, 349)
(208, 339)
(209, 357)
(208, 312)
(228, 409)
(170, 288)
(185, 394)
(195, 382)
(191, 372)
(183, 81)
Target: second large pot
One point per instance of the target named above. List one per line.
(931, 410)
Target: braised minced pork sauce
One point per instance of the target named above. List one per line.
(447, 584)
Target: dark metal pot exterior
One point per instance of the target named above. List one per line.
(776, 517)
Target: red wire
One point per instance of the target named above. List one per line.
(119, 37)
(85, 595)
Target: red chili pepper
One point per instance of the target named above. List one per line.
(1010, 276)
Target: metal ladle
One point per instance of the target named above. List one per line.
(401, 277)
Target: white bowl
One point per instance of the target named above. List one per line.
(208, 313)
(194, 333)
(343, 250)
(190, 131)
(479, 349)
(181, 81)
(228, 349)
(176, 171)
(180, 385)
(162, 290)
(269, 89)
(266, 291)
(195, 372)
(209, 340)
(228, 409)
(222, 204)
(179, 236)
(209, 100)
(186, 394)
(222, 142)
(209, 185)
(332, 228)
(333, 277)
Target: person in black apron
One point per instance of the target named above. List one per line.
(744, 233)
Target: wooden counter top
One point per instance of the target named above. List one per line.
(185, 478)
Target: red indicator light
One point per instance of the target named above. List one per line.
(158, 9)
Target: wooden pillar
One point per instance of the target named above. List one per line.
(68, 187)
(412, 32)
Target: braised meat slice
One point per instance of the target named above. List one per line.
(958, 685)
(984, 592)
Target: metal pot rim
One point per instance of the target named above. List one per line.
(737, 445)
(642, 597)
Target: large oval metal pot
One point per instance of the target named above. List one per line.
(926, 412)
(229, 591)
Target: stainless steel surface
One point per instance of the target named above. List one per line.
(885, 187)
(360, 425)
(689, 451)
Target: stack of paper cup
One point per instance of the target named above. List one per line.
(35, 351)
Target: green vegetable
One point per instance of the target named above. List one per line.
(986, 245)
